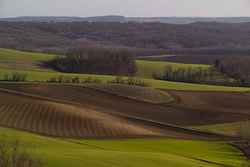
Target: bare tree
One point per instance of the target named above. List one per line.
(13, 154)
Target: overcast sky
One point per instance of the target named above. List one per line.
(228, 8)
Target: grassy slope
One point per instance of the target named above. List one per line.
(124, 153)
(135, 92)
(13, 59)
(147, 68)
(15, 55)
(226, 129)
(36, 74)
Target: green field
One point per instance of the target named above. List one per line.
(231, 129)
(13, 59)
(123, 153)
(25, 62)
(15, 55)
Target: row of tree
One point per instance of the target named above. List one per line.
(75, 80)
(133, 81)
(95, 60)
(129, 81)
(235, 67)
(191, 74)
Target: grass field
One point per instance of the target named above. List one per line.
(13, 59)
(133, 153)
(26, 62)
(232, 129)
(15, 55)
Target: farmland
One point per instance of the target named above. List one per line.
(186, 111)
(105, 123)
(145, 69)
(136, 92)
(63, 120)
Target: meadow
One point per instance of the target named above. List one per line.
(232, 129)
(131, 152)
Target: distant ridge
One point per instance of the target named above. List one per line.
(122, 19)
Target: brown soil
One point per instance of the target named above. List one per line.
(192, 108)
(232, 106)
(47, 117)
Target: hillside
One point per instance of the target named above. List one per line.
(29, 63)
(114, 18)
(161, 124)
(190, 109)
(59, 36)
(140, 152)
(62, 120)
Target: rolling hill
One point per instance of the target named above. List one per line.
(77, 121)
(12, 61)
(62, 120)
(186, 111)
(123, 153)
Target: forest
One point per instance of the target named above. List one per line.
(139, 37)
(93, 60)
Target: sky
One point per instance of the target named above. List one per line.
(131, 8)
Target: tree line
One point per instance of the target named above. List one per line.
(237, 67)
(132, 81)
(191, 74)
(94, 60)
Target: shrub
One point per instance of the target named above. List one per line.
(129, 81)
(12, 154)
(76, 80)
(16, 77)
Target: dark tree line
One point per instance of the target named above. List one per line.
(190, 75)
(236, 67)
(94, 60)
